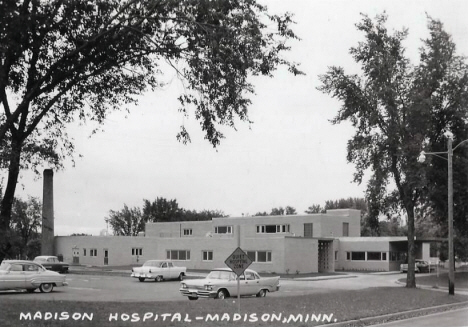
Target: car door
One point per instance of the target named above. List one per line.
(15, 278)
(251, 284)
(171, 271)
(165, 270)
(31, 272)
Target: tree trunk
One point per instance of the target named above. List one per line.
(7, 201)
(410, 277)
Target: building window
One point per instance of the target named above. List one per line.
(93, 252)
(345, 229)
(259, 256)
(374, 256)
(358, 256)
(384, 256)
(187, 231)
(207, 255)
(181, 255)
(308, 230)
(84, 252)
(397, 256)
(272, 229)
(336, 255)
(348, 255)
(223, 230)
(137, 251)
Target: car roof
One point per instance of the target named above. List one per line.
(18, 261)
(229, 269)
(45, 256)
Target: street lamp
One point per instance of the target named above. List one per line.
(449, 154)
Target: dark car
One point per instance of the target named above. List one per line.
(52, 263)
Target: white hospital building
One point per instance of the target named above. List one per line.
(281, 244)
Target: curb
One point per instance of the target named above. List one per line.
(398, 316)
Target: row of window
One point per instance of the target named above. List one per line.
(371, 256)
(207, 255)
(92, 252)
(269, 229)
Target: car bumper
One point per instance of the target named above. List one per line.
(197, 293)
(142, 275)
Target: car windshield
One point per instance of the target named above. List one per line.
(221, 274)
(4, 266)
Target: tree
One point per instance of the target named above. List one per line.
(62, 61)
(161, 210)
(315, 208)
(128, 222)
(25, 228)
(398, 110)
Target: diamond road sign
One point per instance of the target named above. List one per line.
(238, 261)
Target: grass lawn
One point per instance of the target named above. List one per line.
(333, 307)
(461, 280)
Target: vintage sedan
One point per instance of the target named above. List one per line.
(158, 270)
(222, 282)
(51, 262)
(28, 275)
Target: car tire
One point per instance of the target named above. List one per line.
(141, 279)
(181, 277)
(46, 287)
(262, 293)
(30, 290)
(158, 279)
(222, 294)
(192, 298)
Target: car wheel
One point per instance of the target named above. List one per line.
(30, 290)
(181, 277)
(262, 293)
(221, 294)
(192, 298)
(158, 279)
(46, 288)
(141, 279)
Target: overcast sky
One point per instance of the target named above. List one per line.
(291, 154)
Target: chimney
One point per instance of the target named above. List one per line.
(47, 244)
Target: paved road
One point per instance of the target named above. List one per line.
(116, 288)
(454, 318)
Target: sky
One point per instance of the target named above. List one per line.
(290, 156)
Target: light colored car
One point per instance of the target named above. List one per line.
(158, 270)
(28, 275)
(419, 266)
(222, 282)
(51, 262)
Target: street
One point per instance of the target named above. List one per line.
(117, 288)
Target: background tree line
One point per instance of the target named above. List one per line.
(131, 221)
(25, 228)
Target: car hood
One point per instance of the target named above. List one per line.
(205, 281)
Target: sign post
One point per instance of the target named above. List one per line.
(238, 261)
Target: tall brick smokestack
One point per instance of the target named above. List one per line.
(47, 244)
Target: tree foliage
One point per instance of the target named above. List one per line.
(398, 109)
(127, 222)
(280, 211)
(130, 222)
(62, 61)
(25, 227)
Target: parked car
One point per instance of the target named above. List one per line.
(28, 275)
(158, 270)
(222, 282)
(51, 262)
(419, 266)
